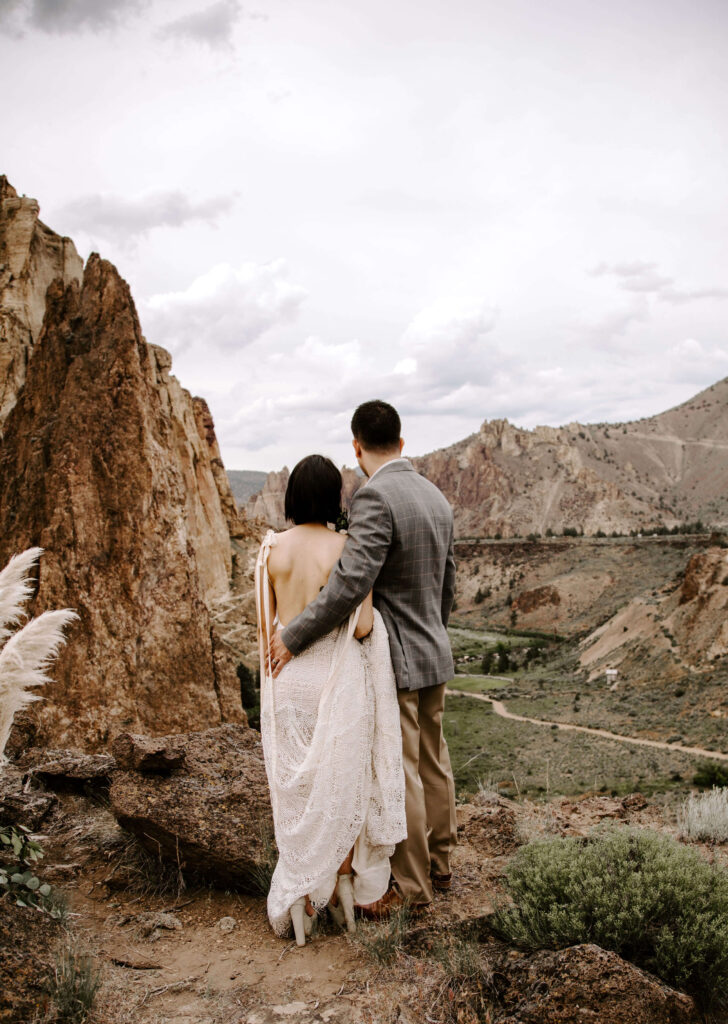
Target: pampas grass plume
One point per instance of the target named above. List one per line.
(26, 655)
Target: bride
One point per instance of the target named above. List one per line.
(329, 723)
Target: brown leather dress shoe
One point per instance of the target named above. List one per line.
(389, 904)
(441, 882)
(381, 909)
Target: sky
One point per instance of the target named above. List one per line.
(471, 209)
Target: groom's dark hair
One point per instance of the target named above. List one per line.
(376, 426)
(313, 494)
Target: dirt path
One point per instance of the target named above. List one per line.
(500, 709)
(702, 442)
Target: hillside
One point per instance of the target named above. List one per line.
(244, 483)
(665, 469)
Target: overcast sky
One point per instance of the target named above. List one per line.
(472, 209)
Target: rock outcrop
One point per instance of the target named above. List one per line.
(104, 466)
(666, 635)
(210, 814)
(31, 256)
(618, 477)
(511, 482)
(585, 983)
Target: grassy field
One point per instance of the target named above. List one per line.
(538, 760)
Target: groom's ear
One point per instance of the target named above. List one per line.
(357, 447)
(401, 445)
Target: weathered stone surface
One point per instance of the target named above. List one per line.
(585, 984)
(212, 814)
(66, 768)
(103, 466)
(147, 754)
(31, 256)
(18, 807)
(491, 828)
(28, 942)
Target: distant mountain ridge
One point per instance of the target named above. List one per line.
(244, 483)
(666, 470)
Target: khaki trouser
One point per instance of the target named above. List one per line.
(429, 794)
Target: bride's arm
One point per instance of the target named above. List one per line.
(366, 618)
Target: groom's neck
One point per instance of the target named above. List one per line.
(372, 461)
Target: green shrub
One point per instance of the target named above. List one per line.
(641, 894)
(712, 773)
(17, 876)
(502, 652)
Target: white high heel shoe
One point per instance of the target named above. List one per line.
(343, 913)
(302, 922)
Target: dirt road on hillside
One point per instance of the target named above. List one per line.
(500, 709)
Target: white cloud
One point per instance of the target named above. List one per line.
(212, 26)
(121, 218)
(640, 276)
(67, 17)
(227, 307)
(448, 341)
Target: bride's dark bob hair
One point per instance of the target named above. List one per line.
(313, 494)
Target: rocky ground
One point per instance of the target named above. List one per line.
(174, 946)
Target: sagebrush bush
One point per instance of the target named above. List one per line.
(705, 815)
(638, 893)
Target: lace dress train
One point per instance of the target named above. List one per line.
(333, 752)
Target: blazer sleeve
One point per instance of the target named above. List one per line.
(366, 548)
(448, 584)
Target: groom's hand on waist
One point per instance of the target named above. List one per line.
(278, 655)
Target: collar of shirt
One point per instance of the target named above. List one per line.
(400, 459)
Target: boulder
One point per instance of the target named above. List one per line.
(211, 814)
(18, 807)
(67, 769)
(148, 754)
(584, 985)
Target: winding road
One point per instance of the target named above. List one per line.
(500, 709)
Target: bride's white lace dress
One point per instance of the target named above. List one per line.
(333, 751)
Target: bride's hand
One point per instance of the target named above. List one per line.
(278, 655)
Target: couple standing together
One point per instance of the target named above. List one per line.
(354, 660)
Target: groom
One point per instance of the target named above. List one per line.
(400, 545)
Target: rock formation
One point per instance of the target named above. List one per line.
(31, 256)
(666, 469)
(210, 814)
(103, 464)
(585, 983)
(670, 634)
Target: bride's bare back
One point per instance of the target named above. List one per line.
(299, 565)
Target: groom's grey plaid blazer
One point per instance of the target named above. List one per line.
(401, 545)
